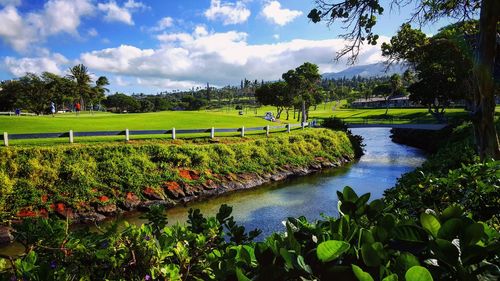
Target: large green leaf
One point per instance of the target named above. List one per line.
(451, 212)
(418, 273)
(445, 251)
(392, 277)
(406, 261)
(473, 234)
(331, 249)
(430, 223)
(360, 274)
(240, 275)
(349, 194)
(450, 229)
(370, 255)
(411, 233)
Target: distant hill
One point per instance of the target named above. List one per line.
(368, 70)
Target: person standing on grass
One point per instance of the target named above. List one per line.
(52, 108)
(77, 108)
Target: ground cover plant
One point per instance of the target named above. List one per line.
(38, 180)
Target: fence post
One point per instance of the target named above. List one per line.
(288, 128)
(243, 131)
(212, 133)
(173, 133)
(70, 136)
(5, 138)
(127, 135)
(267, 130)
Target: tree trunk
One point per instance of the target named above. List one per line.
(484, 101)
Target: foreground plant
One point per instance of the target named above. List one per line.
(363, 243)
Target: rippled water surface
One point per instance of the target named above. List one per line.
(266, 207)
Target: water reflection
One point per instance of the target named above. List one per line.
(266, 207)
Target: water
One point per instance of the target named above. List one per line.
(267, 206)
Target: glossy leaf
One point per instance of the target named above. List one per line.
(430, 223)
(360, 274)
(330, 250)
(418, 273)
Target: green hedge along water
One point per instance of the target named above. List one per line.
(266, 207)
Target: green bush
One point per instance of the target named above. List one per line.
(364, 243)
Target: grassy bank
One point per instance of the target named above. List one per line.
(37, 180)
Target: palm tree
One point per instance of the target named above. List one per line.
(100, 89)
(80, 74)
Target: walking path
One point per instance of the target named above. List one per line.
(432, 127)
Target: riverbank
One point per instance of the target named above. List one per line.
(91, 182)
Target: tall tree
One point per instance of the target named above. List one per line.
(80, 74)
(360, 16)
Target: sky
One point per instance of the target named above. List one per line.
(151, 46)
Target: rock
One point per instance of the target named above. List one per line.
(189, 174)
(131, 202)
(64, 212)
(5, 236)
(209, 184)
(26, 213)
(146, 205)
(153, 194)
(89, 217)
(107, 210)
(173, 189)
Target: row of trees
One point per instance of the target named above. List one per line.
(34, 92)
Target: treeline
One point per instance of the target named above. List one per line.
(35, 93)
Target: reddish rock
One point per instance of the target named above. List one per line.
(64, 211)
(26, 213)
(174, 189)
(43, 213)
(189, 174)
(209, 184)
(131, 201)
(151, 193)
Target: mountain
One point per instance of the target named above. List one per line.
(368, 70)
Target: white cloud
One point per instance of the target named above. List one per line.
(219, 58)
(51, 63)
(163, 24)
(21, 31)
(115, 13)
(10, 2)
(229, 13)
(92, 32)
(273, 12)
(276, 36)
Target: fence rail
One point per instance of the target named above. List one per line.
(127, 133)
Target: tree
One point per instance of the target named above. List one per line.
(360, 16)
(303, 82)
(276, 94)
(122, 103)
(80, 74)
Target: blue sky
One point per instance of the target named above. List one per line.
(150, 46)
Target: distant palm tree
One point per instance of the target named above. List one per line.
(81, 75)
(100, 89)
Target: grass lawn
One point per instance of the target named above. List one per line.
(136, 121)
(222, 118)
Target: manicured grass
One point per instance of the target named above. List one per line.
(137, 121)
(221, 118)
